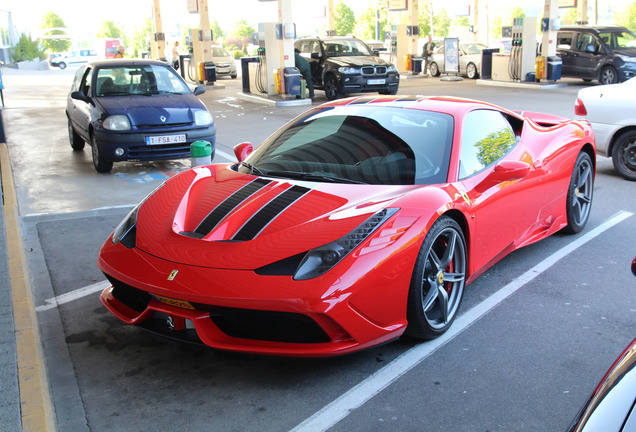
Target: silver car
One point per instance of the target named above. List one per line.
(223, 62)
(469, 60)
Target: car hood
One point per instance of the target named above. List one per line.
(630, 52)
(152, 110)
(213, 216)
(358, 61)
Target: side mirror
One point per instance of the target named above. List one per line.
(376, 53)
(634, 266)
(505, 170)
(315, 56)
(198, 90)
(242, 151)
(80, 95)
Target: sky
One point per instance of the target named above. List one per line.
(84, 18)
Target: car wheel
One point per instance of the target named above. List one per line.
(101, 165)
(579, 197)
(434, 69)
(624, 155)
(77, 143)
(62, 65)
(331, 88)
(608, 75)
(471, 71)
(437, 284)
(388, 92)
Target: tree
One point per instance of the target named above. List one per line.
(110, 30)
(424, 18)
(51, 20)
(442, 23)
(365, 25)
(345, 19)
(27, 49)
(241, 34)
(217, 31)
(570, 16)
(627, 17)
(140, 41)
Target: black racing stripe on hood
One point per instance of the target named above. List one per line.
(229, 204)
(269, 212)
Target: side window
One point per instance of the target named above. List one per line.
(564, 40)
(486, 137)
(587, 43)
(315, 47)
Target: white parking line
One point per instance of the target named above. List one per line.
(340, 408)
(227, 156)
(72, 295)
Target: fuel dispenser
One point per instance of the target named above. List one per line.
(523, 51)
(403, 43)
(200, 70)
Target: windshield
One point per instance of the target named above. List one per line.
(138, 80)
(620, 39)
(359, 144)
(473, 48)
(346, 47)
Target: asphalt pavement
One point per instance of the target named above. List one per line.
(535, 334)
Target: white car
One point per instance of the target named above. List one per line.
(74, 58)
(612, 112)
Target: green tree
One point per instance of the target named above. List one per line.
(424, 18)
(570, 16)
(27, 49)
(242, 29)
(627, 17)
(140, 40)
(442, 23)
(51, 20)
(217, 31)
(345, 19)
(495, 27)
(365, 24)
(109, 29)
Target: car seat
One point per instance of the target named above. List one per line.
(105, 86)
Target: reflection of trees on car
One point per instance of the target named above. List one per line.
(494, 146)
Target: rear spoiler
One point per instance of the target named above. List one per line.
(543, 119)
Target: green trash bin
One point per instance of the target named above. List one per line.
(200, 153)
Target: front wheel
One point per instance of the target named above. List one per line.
(332, 91)
(434, 69)
(101, 165)
(437, 284)
(62, 65)
(471, 71)
(579, 197)
(388, 92)
(624, 155)
(608, 75)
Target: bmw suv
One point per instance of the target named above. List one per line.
(341, 65)
(604, 53)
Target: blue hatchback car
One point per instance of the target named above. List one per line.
(134, 109)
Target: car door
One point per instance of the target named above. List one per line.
(80, 111)
(310, 50)
(566, 50)
(587, 55)
(504, 211)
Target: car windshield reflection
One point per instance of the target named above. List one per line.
(138, 80)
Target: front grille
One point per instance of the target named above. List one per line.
(134, 298)
(162, 150)
(268, 325)
(373, 70)
(163, 125)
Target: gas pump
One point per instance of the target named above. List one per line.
(523, 51)
(403, 44)
(200, 70)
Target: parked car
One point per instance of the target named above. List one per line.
(342, 65)
(377, 45)
(612, 112)
(603, 53)
(356, 222)
(133, 109)
(223, 62)
(54, 56)
(469, 60)
(74, 58)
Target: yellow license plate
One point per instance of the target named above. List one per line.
(172, 302)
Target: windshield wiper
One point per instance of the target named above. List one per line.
(310, 176)
(252, 168)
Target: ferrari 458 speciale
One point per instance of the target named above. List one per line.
(357, 222)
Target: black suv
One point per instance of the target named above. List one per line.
(341, 65)
(605, 53)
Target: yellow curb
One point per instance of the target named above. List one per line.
(35, 398)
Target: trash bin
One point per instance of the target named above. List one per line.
(417, 65)
(210, 72)
(200, 153)
(553, 71)
(292, 81)
(486, 62)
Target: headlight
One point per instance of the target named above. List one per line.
(202, 118)
(348, 70)
(391, 69)
(320, 260)
(117, 123)
(126, 230)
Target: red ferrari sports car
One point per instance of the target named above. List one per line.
(357, 222)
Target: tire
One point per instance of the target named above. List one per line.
(608, 75)
(77, 143)
(624, 155)
(101, 165)
(437, 284)
(62, 65)
(471, 71)
(580, 192)
(332, 91)
(434, 69)
(388, 92)
(233, 76)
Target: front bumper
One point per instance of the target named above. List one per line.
(135, 148)
(363, 84)
(238, 310)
